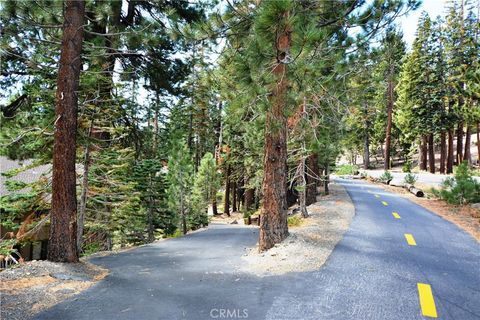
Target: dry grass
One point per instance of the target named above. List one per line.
(33, 287)
(11, 286)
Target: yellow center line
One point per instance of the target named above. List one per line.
(410, 239)
(396, 215)
(385, 203)
(427, 303)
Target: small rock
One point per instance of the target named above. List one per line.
(63, 276)
(475, 205)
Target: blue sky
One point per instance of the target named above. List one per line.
(408, 23)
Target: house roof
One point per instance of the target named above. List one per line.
(28, 176)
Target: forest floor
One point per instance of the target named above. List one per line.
(234, 218)
(310, 244)
(464, 216)
(37, 285)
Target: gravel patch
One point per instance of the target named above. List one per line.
(309, 245)
(37, 285)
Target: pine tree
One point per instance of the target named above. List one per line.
(179, 177)
(207, 183)
(62, 244)
(391, 53)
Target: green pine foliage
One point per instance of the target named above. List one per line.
(460, 189)
(206, 185)
(164, 118)
(180, 181)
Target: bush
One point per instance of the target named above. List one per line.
(407, 167)
(386, 177)
(294, 221)
(346, 169)
(6, 246)
(91, 248)
(410, 178)
(460, 189)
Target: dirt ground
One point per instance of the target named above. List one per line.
(308, 245)
(235, 218)
(37, 285)
(465, 217)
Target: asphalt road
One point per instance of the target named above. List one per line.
(373, 273)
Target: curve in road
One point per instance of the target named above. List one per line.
(397, 261)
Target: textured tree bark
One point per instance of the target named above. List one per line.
(62, 245)
(443, 151)
(467, 155)
(273, 224)
(459, 157)
(423, 153)
(226, 203)
(388, 133)
(313, 173)
(450, 152)
(249, 199)
(431, 153)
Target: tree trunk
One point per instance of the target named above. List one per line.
(459, 157)
(467, 155)
(388, 133)
(62, 244)
(234, 194)
(249, 199)
(423, 153)
(218, 133)
(312, 178)
(450, 152)
(443, 151)
(366, 151)
(155, 127)
(478, 143)
(82, 208)
(303, 189)
(240, 193)
(366, 139)
(214, 206)
(226, 204)
(151, 235)
(182, 212)
(327, 179)
(431, 153)
(273, 224)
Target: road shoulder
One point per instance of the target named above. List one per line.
(37, 285)
(309, 245)
(463, 216)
